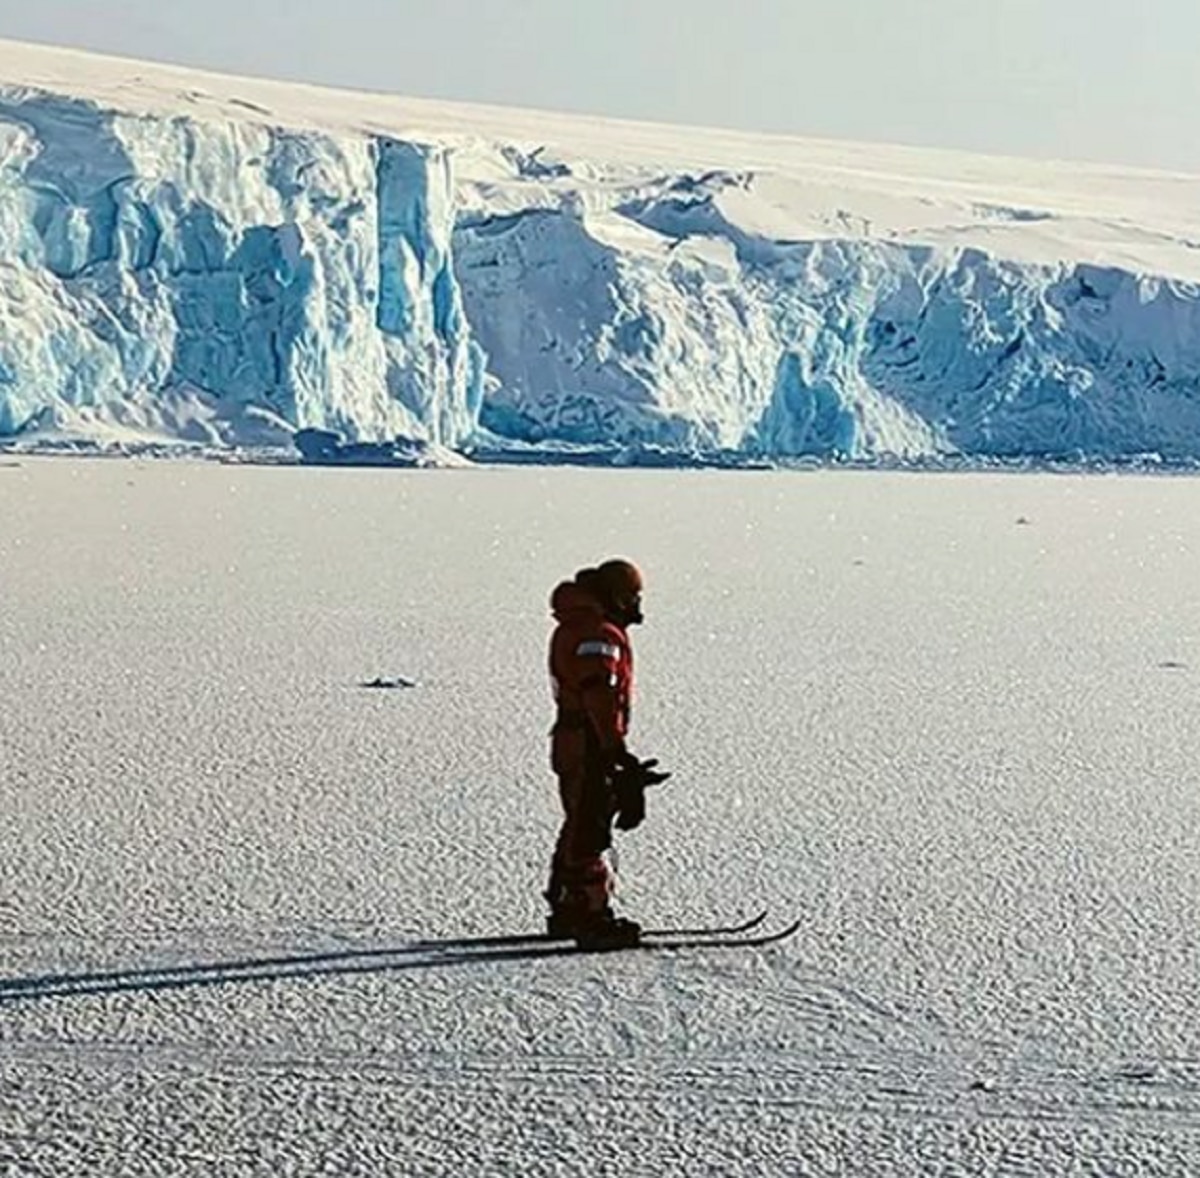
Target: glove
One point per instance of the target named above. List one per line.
(629, 778)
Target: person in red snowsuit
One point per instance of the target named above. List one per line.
(591, 670)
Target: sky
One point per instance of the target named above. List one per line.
(1070, 79)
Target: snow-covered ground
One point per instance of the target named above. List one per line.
(949, 721)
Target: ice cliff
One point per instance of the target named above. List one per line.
(151, 261)
(215, 265)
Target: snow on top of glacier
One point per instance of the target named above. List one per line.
(1029, 210)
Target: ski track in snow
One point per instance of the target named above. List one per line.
(949, 720)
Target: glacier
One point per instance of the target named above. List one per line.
(305, 275)
(232, 262)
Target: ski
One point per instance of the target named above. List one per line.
(674, 942)
(721, 941)
(433, 955)
(731, 930)
(533, 939)
(668, 942)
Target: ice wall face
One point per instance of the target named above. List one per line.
(204, 271)
(661, 322)
(300, 272)
(434, 369)
(1014, 360)
(596, 334)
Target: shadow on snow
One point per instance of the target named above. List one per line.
(416, 955)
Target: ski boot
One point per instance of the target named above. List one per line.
(603, 930)
(562, 923)
(592, 929)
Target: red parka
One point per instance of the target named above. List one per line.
(591, 671)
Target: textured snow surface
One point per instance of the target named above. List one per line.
(950, 721)
(482, 278)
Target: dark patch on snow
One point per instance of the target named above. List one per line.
(395, 684)
(320, 447)
(246, 105)
(641, 457)
(995, 212)
(1139, 1073)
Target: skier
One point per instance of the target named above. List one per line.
(600, 781)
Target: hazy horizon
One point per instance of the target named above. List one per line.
(1066, 81)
